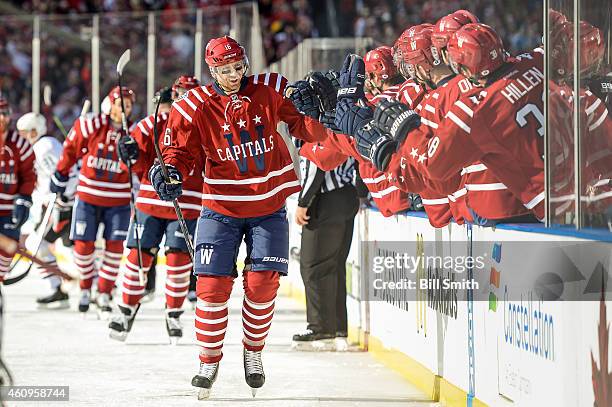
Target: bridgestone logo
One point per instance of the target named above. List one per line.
(400, 120)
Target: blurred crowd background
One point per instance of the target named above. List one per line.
(65, 38)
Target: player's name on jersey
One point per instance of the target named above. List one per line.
(245, 149)
(520, 86)
(8, 179)
(100, 163)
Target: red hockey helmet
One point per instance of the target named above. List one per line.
(448, 25)
(561, 45)
(592, 48)
(224, 50)
(379, 62)
(127, 94)
(185, 82)
(396, 51)
(478, 48)
(555, 18)
(417, 50)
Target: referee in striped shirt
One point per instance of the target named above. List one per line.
(326, 211)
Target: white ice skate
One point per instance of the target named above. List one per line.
(104, 307)
(84, 301)
(122, 323)
(253, 370)
(174, 326)
(205, 379)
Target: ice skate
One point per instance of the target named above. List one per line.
(174, 326)
(253, 370)
(313, 341)
(56, 300)
(205, 379)
(84, 301)
(121, 324)
(104, 307)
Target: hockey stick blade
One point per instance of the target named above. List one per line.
(125, 58)
(85, 108)
(47, 95)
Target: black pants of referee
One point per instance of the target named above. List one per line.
(326, 241)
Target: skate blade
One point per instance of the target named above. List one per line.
(254, 391)
(322, 345)
(54, 306)
(104, 315)
(118, 336)
(174, 340)
(203, 394)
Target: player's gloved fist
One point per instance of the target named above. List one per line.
(351, 117)
(324, 89)
(303, 98)
(352, 78)
(127, 149)
(396, 118)
(58, 183)
(166, 191)
(328, 119)
(334, 77)
(21, 211)
(375, 145)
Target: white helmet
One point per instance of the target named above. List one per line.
(33, 121)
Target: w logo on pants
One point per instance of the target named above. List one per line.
(206, 253)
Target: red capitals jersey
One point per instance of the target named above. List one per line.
(248, 168)
(148, 201)
(391, 93)
(104, 179)
(411, 93)
(501, 126)
(17, 174)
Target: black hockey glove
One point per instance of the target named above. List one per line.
(58, 183)
(166, 191)
(127, 149)
(21, 211)
(351, 117)
(334, 77)
(352, 78)
(303, 98)
(324, 88)
(328, 118)
(396, 119)
(375, 145)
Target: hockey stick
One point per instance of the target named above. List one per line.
(177, 208)
(123, 60)
(40, 234)
(56, 120)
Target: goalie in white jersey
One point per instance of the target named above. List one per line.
(47, 150)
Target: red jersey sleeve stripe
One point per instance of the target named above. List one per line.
(465, 108)
(452, 116)
(205, 90)
(142, 129)
(182, 112)
(197, 95)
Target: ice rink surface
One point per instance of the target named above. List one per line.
(43, 347)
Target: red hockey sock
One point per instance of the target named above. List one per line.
(260, 289)
(132, 290)
(178, 269)
(84, 262)
(110, 265)
(5, 263)
(211, 315)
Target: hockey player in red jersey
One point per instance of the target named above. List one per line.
(17, 182)
(382, 77)
(232, 124)
(103, 196)
(154, 220)
(502, 122)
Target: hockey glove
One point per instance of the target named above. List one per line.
(351, 117)
(352, 78)
(58, 183)
(328, 118)
(375, 145)
(21, 211)
(166, 191)
(396, 119)
(304, 98)
(127, 149)
(324, 88)
(334, 77)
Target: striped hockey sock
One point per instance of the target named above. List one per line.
(260, 289)
(84, 262)
(110, 265)
(131, 290)
(178, 269)
(211, 315)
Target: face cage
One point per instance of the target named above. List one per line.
(245, 61)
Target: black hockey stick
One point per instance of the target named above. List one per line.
(42, 229)
(56, 120)
(123, 60)
(177, 208)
